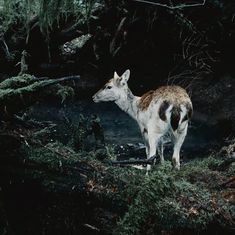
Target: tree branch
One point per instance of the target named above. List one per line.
(228, 181)
(179, 6)
(149, 161)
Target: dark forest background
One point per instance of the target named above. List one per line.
(57, 148)
(149, 39)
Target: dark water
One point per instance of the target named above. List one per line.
(121, 129)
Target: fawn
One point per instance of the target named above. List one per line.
(166, 110)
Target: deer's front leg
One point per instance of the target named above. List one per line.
(144, 133)
(153, 139)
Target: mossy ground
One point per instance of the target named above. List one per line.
(192, 199)
(195, 200)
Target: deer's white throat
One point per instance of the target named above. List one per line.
(128, 103)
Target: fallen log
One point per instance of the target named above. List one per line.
(149, 161)
(17, 93)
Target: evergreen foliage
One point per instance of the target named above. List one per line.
(48, 12)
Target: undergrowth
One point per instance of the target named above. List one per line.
(191, 199)
(169, 200)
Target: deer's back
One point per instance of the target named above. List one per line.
(174, 95)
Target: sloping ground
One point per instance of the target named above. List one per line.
(48, 188)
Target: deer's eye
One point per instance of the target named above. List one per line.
(109, 87)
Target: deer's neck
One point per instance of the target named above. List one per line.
(128, 103)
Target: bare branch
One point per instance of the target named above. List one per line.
(180, 6)
(6, 47)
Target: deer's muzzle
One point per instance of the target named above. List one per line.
(95, 98)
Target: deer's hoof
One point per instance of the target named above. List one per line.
(176, 165)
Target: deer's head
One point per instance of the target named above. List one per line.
(114, 89)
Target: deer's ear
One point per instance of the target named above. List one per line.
(125, 76)
(116, 75)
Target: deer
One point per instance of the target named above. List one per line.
(164, 111)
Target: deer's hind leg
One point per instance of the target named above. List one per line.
(179, 136)
(160, 150)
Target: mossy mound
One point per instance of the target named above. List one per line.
(193, 199)
(198, 199)
(177, 201)
(18, 93)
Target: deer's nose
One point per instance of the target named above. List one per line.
(94, 97)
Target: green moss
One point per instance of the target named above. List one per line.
(166, 200)
(64, 92)
(17, 82)
(200, 171)
(53, 155)
(169, 200)
(18, 93)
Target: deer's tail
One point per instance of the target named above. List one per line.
(179, 114)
